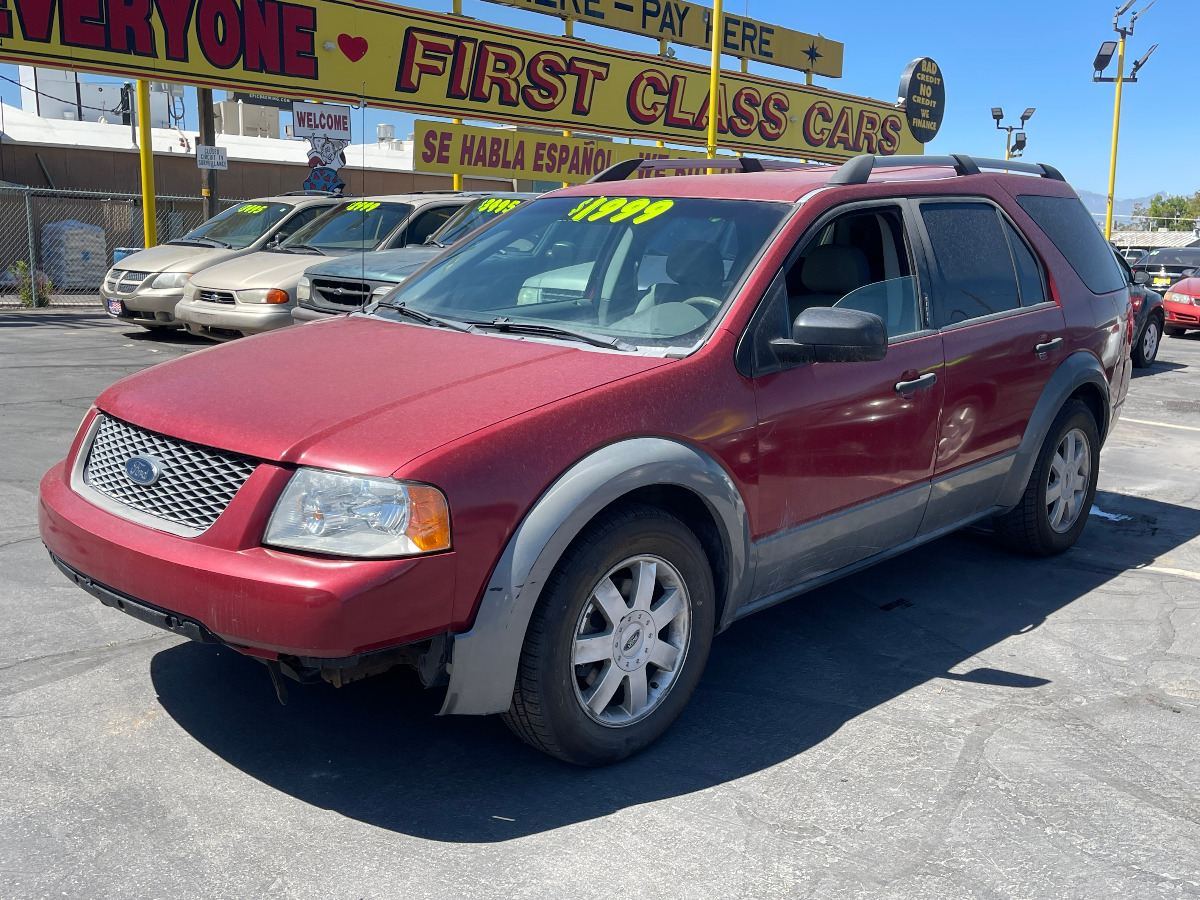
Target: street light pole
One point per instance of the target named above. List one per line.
(1103, 58)
(1009, 149)
(1112, 161)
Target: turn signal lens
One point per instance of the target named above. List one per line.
(275, 295)
(428, 518)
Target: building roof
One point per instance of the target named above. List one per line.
(19, 127)
(1155, 238)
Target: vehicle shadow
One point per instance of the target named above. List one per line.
(174, 336)
(1157, 368)
(777, 684)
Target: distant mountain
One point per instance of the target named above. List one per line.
(1097, 204)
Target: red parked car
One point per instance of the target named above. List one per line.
(568, 451)
(1182, 302)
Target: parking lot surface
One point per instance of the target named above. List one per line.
(956, 723)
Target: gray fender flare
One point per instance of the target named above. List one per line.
(1076, 370)
(484, 661)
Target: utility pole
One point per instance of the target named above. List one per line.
(208, 137)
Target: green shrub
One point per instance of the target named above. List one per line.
(33, 288)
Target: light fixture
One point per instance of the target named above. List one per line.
(1141, 62)
(1018, 142)
(997, 113)
(1027, 115)
(1104, 57)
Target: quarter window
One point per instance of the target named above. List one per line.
(975, 275)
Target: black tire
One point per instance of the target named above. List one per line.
(547, 708)
(1027, 528)
(1175, 332)
(1145, 349)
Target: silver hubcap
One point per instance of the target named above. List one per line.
(631, 640)
(1150, 342)
(1067, 483)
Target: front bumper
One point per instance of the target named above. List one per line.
(223, 321)
(1182, 315)
(252, 597)
(308, 314)
(144, 305)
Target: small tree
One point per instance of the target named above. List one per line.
(32, 287)
(1174, 213)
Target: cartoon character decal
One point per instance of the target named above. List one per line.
(325, 156)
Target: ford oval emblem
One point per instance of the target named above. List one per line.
(143, 470)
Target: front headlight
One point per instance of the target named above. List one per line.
(263, 295)
(303, 289)
(170, 280)
(353, 515)
(190, 291)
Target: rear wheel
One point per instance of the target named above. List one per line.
(1058, 498)
(618, 640)
(1147, 348)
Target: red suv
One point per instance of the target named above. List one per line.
(565, 453)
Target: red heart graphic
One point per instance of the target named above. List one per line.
(355, 48)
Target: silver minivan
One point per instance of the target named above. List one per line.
(256, 293)
(145, 287)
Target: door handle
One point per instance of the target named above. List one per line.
(1055, 344)
(928, 380)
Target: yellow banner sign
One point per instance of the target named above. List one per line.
(686, 23)
(499, 152)
(441, 65)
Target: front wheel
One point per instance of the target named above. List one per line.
(1058, 497)
(1145, 351)
(618, 640)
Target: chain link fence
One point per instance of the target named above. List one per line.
(62, 242)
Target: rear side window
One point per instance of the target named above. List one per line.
(1069, 225)
(1029, 273)
(974, 266)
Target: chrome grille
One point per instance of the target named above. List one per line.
(343, 293)
(216, 296)
(125, 281)
(196, 483)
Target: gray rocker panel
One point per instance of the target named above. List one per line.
(484, 660)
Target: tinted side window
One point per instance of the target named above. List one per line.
(1069, 225)
(1029, 273)
(975, 274)
(299, 220)
(424, 224)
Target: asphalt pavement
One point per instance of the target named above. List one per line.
(955, 723)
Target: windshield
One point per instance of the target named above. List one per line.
(650, 271)
(352, 228)
(241, 225)
(1184, 257)
(469, 218)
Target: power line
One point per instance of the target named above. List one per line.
(59, 99)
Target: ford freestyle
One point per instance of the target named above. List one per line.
(554, 490)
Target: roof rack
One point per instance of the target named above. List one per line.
(306, 194)
(623, 169)
(858, 170)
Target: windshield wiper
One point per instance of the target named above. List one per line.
(426, 318)
(292, 248)
(201, 242)
(430, 242)
(507, 325)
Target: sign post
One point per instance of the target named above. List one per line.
(146, 150)
(714, 86)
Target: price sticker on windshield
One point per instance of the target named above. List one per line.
(497, 205)
(252, 208)
(362, 206)
(618, 209)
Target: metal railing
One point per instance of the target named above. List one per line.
(68, 238)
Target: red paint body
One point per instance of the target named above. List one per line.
(493, 422)
(1183, 315)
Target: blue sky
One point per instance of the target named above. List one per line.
(1014, 54)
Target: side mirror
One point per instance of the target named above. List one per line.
(828, 334)
(1189, 273)
(1142, 277)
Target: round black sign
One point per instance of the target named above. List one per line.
(923, 97)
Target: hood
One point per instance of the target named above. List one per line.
(293, 395)
(257, 270)
(382, 265)
(1189, 286)
(177, 258)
